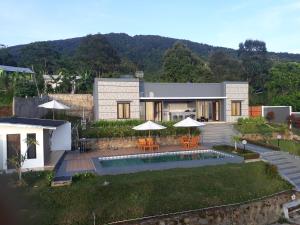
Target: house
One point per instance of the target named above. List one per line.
(53, 138)
(131, 98)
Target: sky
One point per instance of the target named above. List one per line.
(223, 23)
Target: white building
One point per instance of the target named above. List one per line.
(53, 138)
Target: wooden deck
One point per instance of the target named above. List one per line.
(75, 161)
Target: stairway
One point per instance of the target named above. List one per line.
(288, 165)
(217, 133)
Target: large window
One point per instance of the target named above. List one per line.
(123, 110)
(236, 108)
(31, 146)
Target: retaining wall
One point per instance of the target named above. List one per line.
(128, 142)
(257, 212)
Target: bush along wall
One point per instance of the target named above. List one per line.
(107, 129)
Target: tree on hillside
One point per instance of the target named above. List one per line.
(95, 55)
(284, 84)
(253, 54)
(225, 67)
(6, 58)
(180, 64)
(40, 55)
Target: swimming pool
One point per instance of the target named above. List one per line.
(155, 158)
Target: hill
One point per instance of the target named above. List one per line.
(146, 51)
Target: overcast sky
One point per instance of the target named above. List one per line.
(220, 23)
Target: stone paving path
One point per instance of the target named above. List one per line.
(288, 165)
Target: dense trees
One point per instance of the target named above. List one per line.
(256, 64)
(272, 80)
(225, 68)
(284, 85)
(180, 64)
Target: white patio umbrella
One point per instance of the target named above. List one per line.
(149, 125)
(189, 122)
(54, 105)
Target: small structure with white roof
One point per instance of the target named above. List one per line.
(53, 138)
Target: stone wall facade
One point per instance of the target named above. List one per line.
(77, 103)
(236, 91)
(259, 212)
(109, 92)
(128, 142)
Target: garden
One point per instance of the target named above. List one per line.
(120, 197)
(246, 154)
(267, 130)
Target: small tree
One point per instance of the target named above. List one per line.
(18, 159)
(270, 116)
(236, 139)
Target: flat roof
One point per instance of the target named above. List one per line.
(32, 122)
(16, 69)
(187, 90)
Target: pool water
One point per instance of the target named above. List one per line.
(160, 159)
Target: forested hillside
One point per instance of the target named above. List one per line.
(161, 58)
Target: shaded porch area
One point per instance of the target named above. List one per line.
(204, 110)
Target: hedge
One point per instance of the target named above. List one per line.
(104, 129)
(262, 144)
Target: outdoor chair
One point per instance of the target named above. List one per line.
(194, 142)
(142, 144)
(151, 144)
(184, 141)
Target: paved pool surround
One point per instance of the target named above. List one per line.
(164, 165)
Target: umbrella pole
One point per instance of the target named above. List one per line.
(149, 133)
(53, 113)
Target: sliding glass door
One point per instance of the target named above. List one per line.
(153, 111)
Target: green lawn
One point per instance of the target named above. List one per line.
(288, 145)
(145, 193)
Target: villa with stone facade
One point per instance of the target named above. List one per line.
(132, 98)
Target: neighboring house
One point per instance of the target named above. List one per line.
(130, 98)
(14, 69)
(51, 136)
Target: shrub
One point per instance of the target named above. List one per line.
(271, 170)
(104, 128)
(83, 176)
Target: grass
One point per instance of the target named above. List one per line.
(290, 146)
(246, 154)
(142, 194)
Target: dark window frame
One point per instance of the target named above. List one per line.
(31, 150)
(240, 111)
(123, 103)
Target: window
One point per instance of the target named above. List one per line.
(31, 147)
(236, 108)
(123, 110)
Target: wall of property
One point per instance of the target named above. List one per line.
(61, 138)
(108, 92)
(38, 162)
(128, 142)
(5, 111)
(77, 103)
(281, 113)
(236, 91)
(263, 211)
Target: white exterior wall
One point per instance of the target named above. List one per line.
(108, 92)
(236, 91)
(61, 138)
(38, 162)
